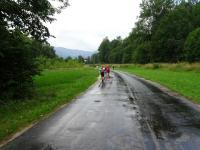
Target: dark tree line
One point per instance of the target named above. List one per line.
(22, 39)
(166, 31)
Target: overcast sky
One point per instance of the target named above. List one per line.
(85, 23)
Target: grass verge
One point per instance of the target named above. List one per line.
(186, 83)
(53, 89)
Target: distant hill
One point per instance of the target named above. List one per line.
(64, 52)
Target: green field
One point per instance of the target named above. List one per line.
(187, 83)
(53, 89)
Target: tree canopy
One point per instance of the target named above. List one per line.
(29, 16)
(159, 35)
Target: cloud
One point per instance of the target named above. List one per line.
(84, 24)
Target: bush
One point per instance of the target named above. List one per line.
(192, 46)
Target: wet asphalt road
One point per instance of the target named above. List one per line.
(124, 114)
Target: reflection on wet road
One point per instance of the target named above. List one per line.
(125, 113)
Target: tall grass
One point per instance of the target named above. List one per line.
(169, 66)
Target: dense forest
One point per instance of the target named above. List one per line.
(166, 31)
(23, 40)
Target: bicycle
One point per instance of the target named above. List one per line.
(102, 83)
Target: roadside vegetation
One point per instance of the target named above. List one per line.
(53, 88)
(183, 78)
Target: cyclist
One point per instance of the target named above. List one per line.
(102, 71)
(108, 71)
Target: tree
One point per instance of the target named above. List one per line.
(17, 66)
(159, 35)
(127, 55)
(104, 50)
(42, 49)
(151, 13)
(169, 38)
(22, 39)
(192, 46)
(95, 58)
(142, 53)
(29, 16)
(81, 59)
(115, 50)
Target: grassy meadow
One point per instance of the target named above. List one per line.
(183, 78)
(53, 89)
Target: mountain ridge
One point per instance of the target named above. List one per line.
(66, 52)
